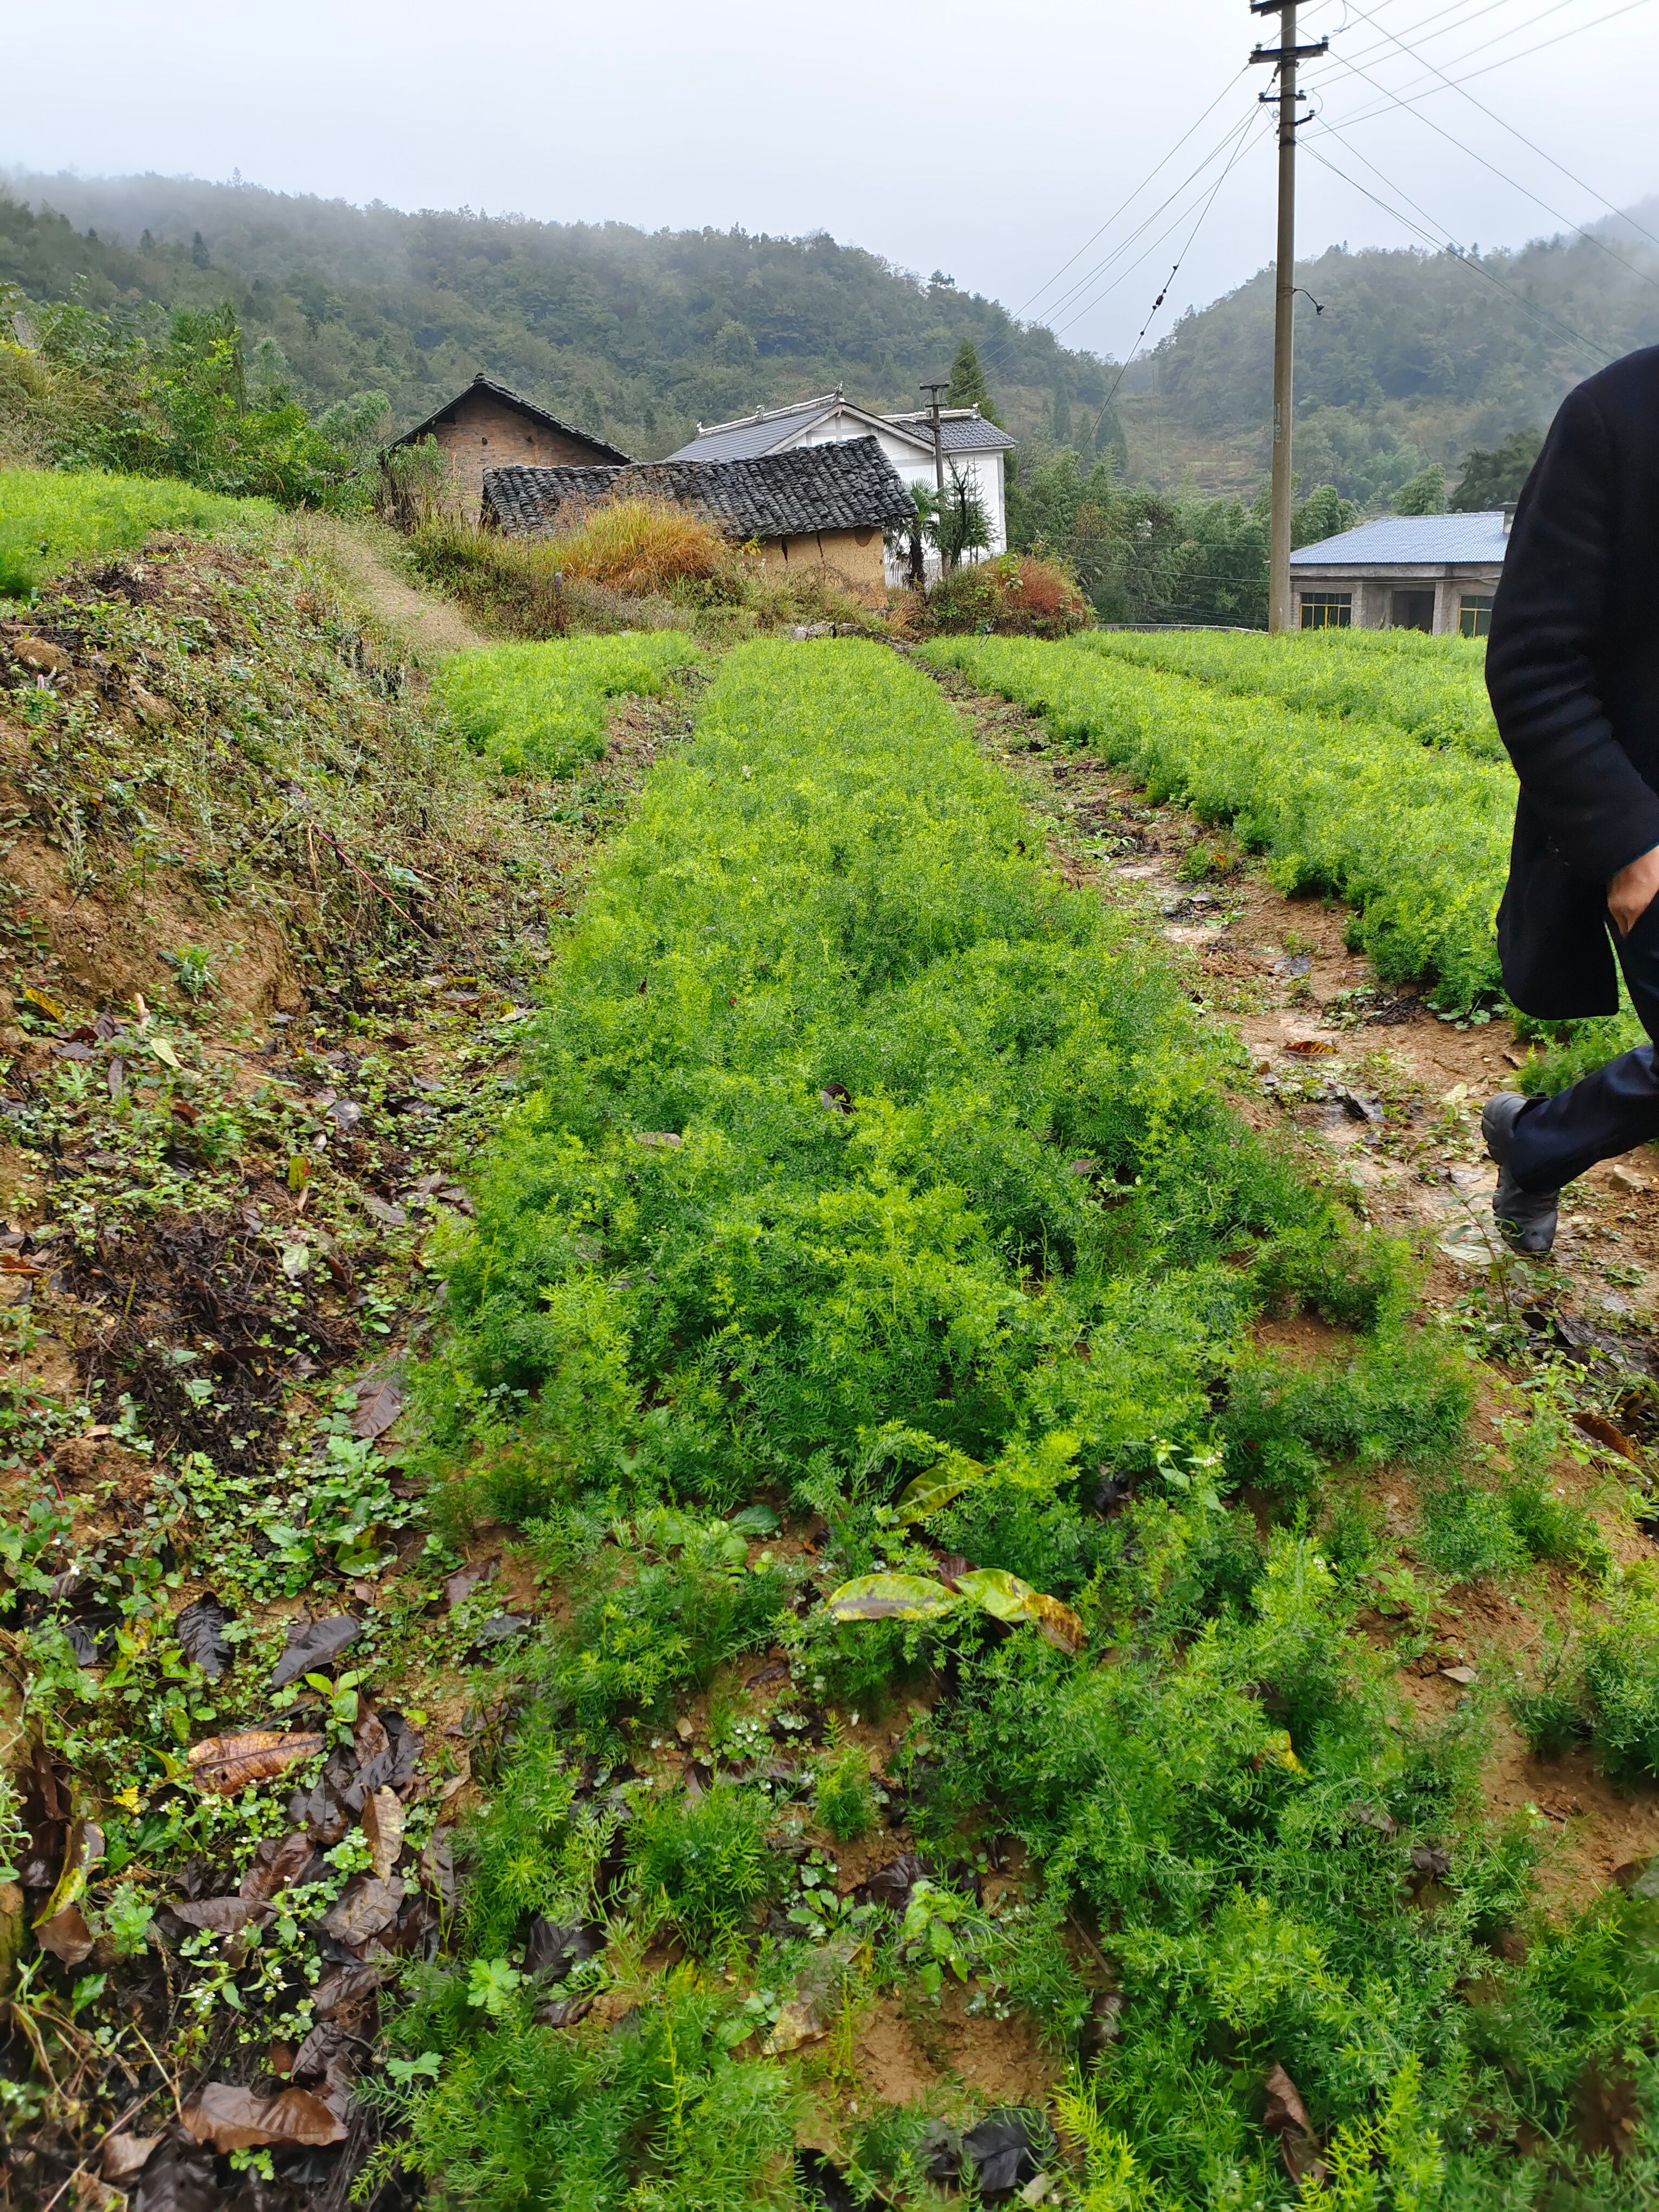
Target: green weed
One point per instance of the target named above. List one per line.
(704, 1860)
(50, 517)
(540, 709)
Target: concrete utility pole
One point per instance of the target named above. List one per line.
(934, 391)
(1283, 57)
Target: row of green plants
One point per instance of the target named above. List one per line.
(50, 519)
(1416, 838)
(874, 1187)
(540, 709)
(1433, 687)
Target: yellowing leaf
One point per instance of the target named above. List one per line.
(952, 1473)
(891, 1597)
(1277, 1753)
(1007, 1598)
(1002, 1593)
(49, 1007)
(85, 1848)
(164, 1051)
(1057, 1623)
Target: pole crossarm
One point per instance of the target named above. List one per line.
(1277, 54)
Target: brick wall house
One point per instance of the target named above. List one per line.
(490, 427)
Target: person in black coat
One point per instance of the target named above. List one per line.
(1572, 666)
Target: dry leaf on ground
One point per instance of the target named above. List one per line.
(230, 1764)
(240, 2119)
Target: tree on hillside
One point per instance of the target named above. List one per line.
(1425, 494)
(1324, 513)
(1493, 474)
(963, 525)
(1111, 443)
(968, 385)
(175, 403)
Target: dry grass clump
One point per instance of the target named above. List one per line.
(634, 564)
(642, 546)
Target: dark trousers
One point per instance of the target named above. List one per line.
(1616, 1107)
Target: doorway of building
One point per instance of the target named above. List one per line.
(1412, 611)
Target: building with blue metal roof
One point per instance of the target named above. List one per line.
(1428, 572)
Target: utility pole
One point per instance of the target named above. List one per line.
(934, 391)
(1283, 57)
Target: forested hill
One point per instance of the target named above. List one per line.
(636, 335)
(1416, 356)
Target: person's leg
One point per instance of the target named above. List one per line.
(1551, 1140)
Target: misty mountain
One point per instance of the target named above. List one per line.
(636, 335)
(1416, 356)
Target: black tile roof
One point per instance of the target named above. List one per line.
(520, 405)
(850, 485)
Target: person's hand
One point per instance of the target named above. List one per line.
(1634, 891)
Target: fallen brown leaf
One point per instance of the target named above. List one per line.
(383, 1830)
(231, 1764)
(380, 1401)
(367, 1907)
(240, 2119)
(221, 1916)
(278, 1863)
(124, 2157)
(1284, 2108)
(66, 1935)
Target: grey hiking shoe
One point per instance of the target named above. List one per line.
(1525, 1217)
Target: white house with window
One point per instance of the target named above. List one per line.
(1428, 572)
(971, 447)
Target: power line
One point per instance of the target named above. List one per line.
(1452, 83)
(1164, 289)
(1190, 132)
(1437, 236)
(1530, 144)
(999, 350)
(1241, 139)
(1091, 275)
(1514, 182)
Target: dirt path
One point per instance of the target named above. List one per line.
(361, 557)
(1379, 1093)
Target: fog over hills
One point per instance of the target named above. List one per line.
(1414, 356)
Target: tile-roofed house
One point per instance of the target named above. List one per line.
(821, 504)
(488, 426)
(1430, 572)
(972, 445)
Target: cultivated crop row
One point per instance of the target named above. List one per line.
(1434, 688)
(872, 1179)
(1416, 838)
(540, 709)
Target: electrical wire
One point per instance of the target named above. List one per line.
(1190, 132)
(1531, 144)
(1235, 145)
(1514, 182)
(1441, 239)
(1453, 83)
(1000, 350)
(1169, 280)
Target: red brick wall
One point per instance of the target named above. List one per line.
(482, 434)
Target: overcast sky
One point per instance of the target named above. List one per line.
(988, 141)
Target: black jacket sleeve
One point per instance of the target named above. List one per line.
(1547, 623)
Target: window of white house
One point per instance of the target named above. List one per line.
(1327, 610)
(1474, 614)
